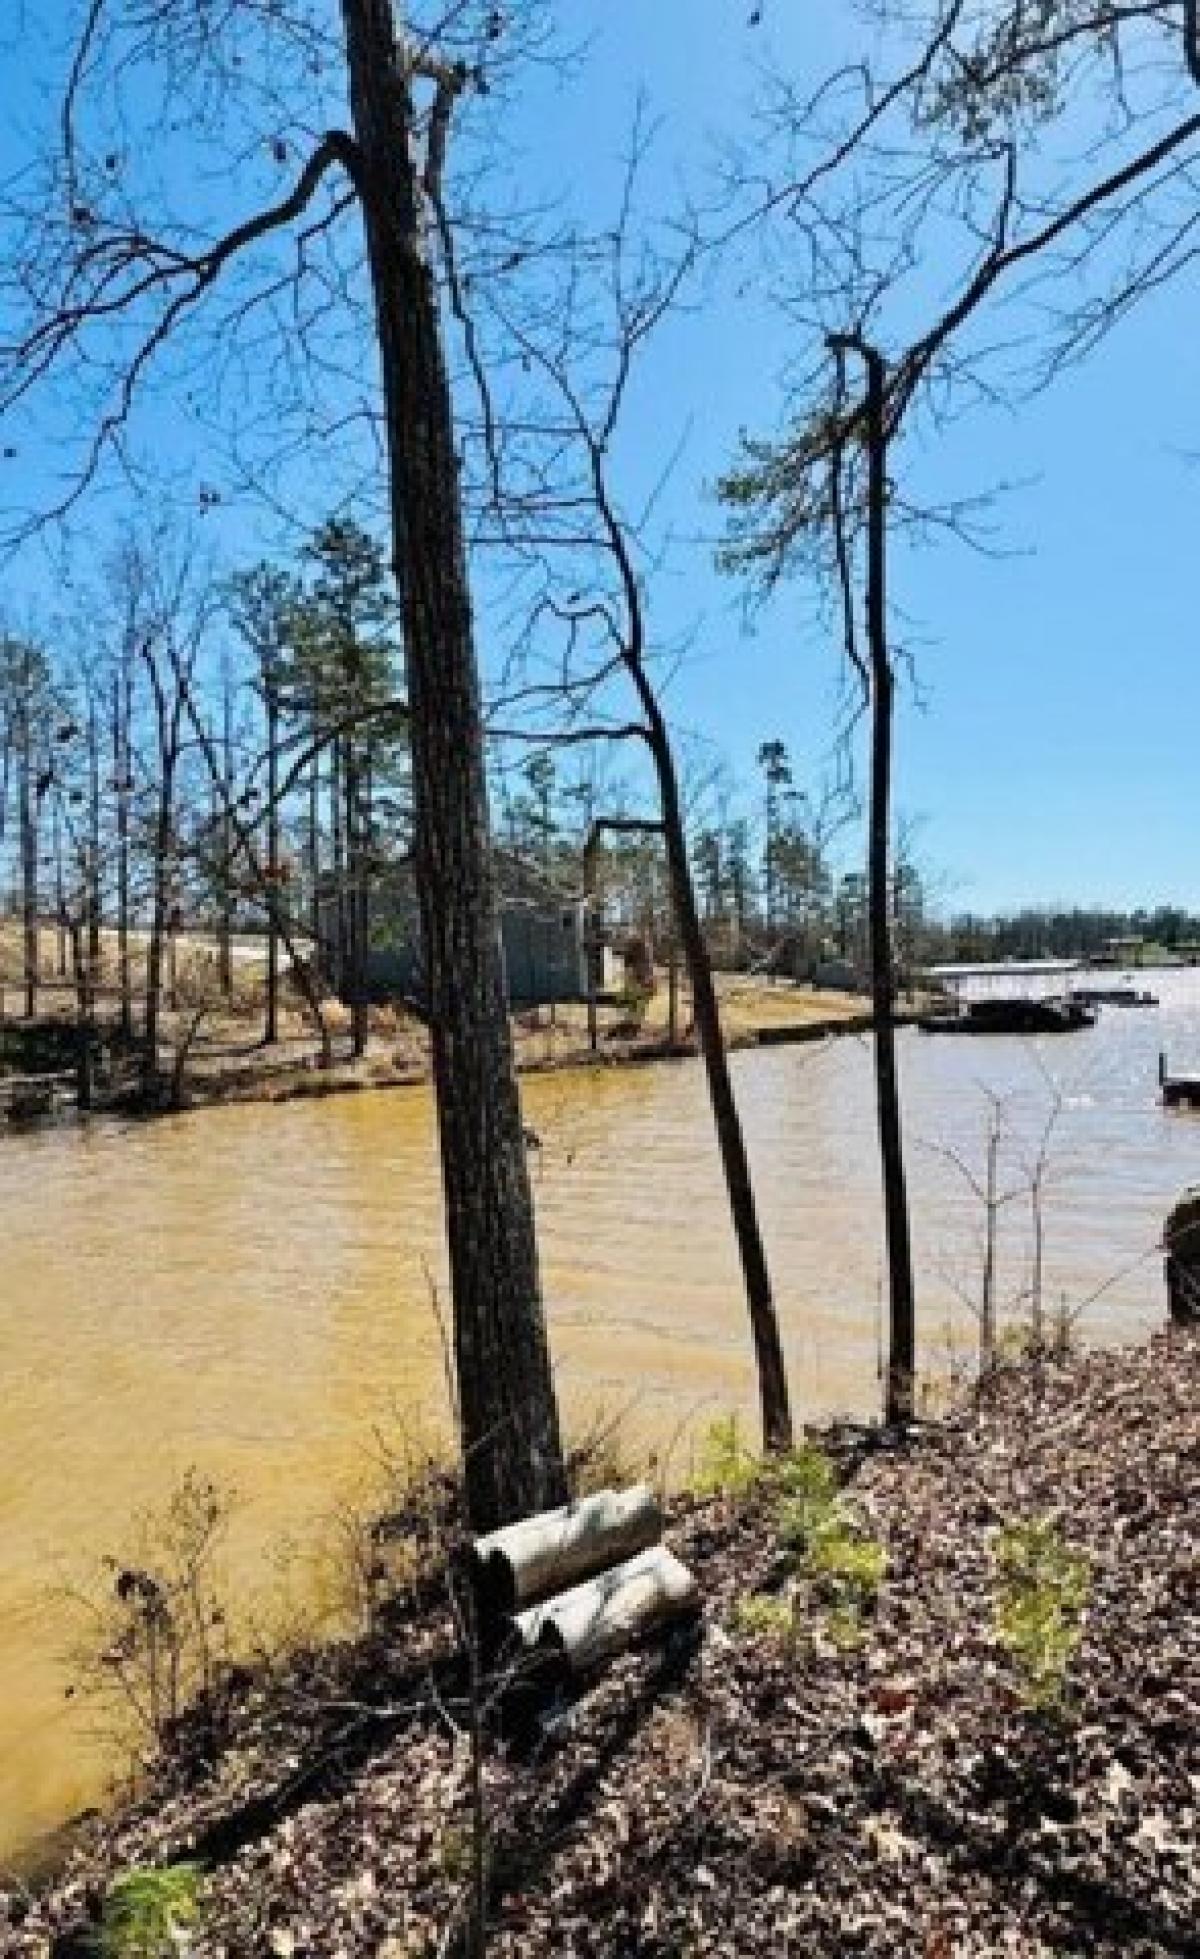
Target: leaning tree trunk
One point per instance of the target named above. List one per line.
(764, 1323)
(901, 1371)
(507, 1409)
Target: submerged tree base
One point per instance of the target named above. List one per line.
(793, 1782)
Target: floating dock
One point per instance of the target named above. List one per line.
(1178, 1091)
(1113, 996)
(1016, 1016)
(1009, 996)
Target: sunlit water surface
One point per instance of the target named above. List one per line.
(248, 1290)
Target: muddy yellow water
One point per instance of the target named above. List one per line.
(248, 1291)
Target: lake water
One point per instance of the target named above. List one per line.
(248, 1290)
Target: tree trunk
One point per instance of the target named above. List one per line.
(337, 844)
(592, 956)
(162, 931)
(764, 1324)
(739, 918)
(987, 1300)
(591, 930)
(60, 901)
(92, 879)
(225, 872)
(29, 859)
(901, 1372)
(316, 921)
(121, 765)
(173, 930)
(507, 1407)
(356, 951)
(84, 1015)
(366, 845)
(271, 698)
(1037, 1311)
(158, 928)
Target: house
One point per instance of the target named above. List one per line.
(1129, 951)
(543, 931)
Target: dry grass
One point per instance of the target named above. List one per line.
(748, 1004)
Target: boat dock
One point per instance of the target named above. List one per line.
(1178, 1091)
(1010, 996)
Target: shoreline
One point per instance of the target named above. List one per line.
(906, 1780)
(280, 1080)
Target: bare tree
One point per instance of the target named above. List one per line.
(944, 144)
(26, 686)
(169, 646)
(75, 901)
(880, 684)
(122, 779)
(585, 346)
(509, 1419)
(262, 600)
(29, 781)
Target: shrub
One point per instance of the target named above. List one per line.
(847, 1568)
(727, 1466)
(603, 1454)
(1042, 1589)
(160, 1638)
(853, 1563)
(763, 1616)
(148, 1912)
(842, 1565)
(843, 1562)
(808, 1487)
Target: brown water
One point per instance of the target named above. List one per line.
(248, 1290)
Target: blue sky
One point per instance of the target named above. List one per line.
(1052, 757)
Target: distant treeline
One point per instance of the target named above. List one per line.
(1049, 933)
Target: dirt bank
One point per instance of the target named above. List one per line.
(226, 1063)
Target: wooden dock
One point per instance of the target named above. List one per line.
(1178, 1091)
